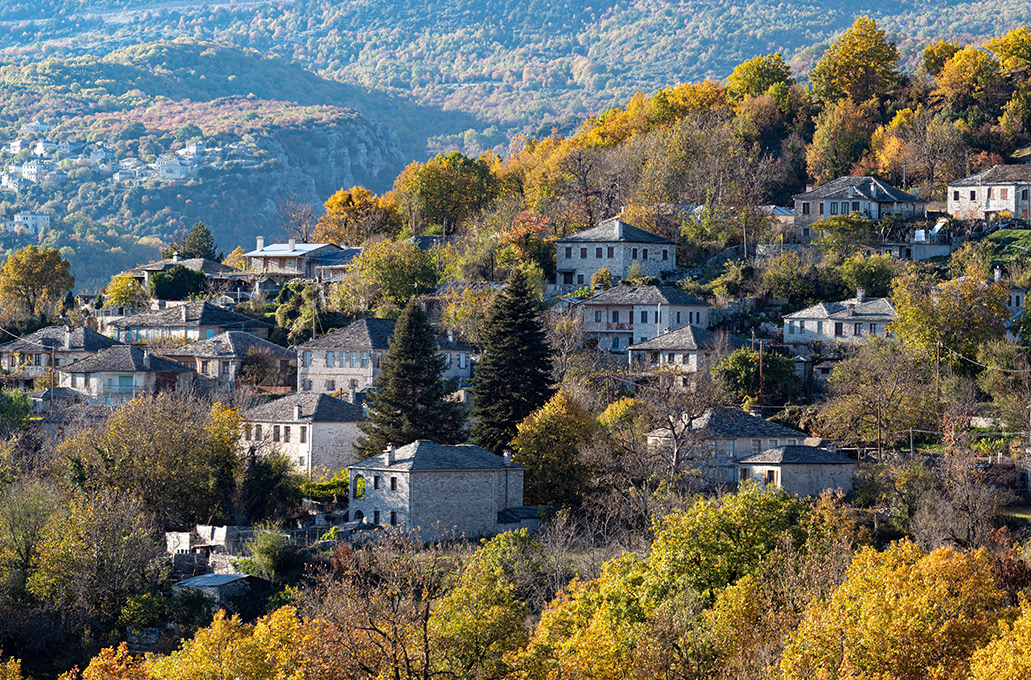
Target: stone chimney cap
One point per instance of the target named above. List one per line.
(391, 452)
(261, 243)
(184, 312)
(293, 244)
(506, 457)
(297, 411)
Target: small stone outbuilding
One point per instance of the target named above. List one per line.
(799, 470)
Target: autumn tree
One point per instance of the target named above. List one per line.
(845, 235)
(25, 508)
(757, 75)
(969, 83)
(547, 444)
(513, 378)
(872, 273)
(900, 613)
(237, 259)
(442, 191)
(937, 54)
(859, 65)
(387, 273)
(1006, 657)
(125, 291)
(34, 280)
(355, 215)
(412, 399)
(842, 134)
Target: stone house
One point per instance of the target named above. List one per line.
(220, 358)
(441, 489)
(123, 372)
(799, 470)
(615, 245)
(851, 322)
(292, 260)
(217, 274)
(316, 432)
(690, 349)
(991, 193)
(868, 196)
(219, 587)
(349, 358)
(720, 437)
(192, 320)
(31, 356)
(630, 315)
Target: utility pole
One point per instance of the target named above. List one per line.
(760, 372)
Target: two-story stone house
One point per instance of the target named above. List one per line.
(690, 349)
(32, 356)
(284, 262)
(615, 245)
(435, 489)
(122, 373)
(868, 196)
(193, 321)
(989, 194)
(630, 315)
(851, 322)
(798, 469)
(219, 359)
(316, 432)
(349, 358)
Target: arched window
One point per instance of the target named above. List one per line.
(358, 516)
(359, 487)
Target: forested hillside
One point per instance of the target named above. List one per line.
(520, 66)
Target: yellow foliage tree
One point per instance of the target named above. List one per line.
(1008, 657)
(33, 280)
(859, 65)
(125, 291)
(117, 663)
(355, 215)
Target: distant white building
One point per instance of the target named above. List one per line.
(32, 221)
(44, 149)
(34, 127)
(173, 168)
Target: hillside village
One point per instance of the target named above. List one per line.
(669, 398)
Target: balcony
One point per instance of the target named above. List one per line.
(600, 326)
(121, 389)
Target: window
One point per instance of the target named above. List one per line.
(665, 254)
(855, 206)
(393, 518)
(257, 433)
(354, 384)
(744, 471)
(203, 367)
(671, 358)
(644, 316)
(583, 253)
(303, 432)
(597, 252)
(859, 329)
(330, 359)
(801, 326)
(805, 208)
(615, 316)
(580, 279)
(805, 232)
(597, 316)
(821, 208)
(771, 477)
(1004, 193)
(790, 442)
(307, 384)
(275, 433)
(463, 360)
(873, 329)
(834, 207)
(839, 329)
(359, 489)
(375, 516)
(375, 482)
(973, 195)
(225, 368)
(615, 342)
(286, 433)
(644, 254)
(989, 193)
(354, 360)
(791, 327)
(365, 359)
(569, 253)
(774, 443)
(633, 254)
(1023, 194)
(331, 385)
(955, 195)
(246, 433)
(819, 327)
(757, 445)
(678, 317)
(393, 483)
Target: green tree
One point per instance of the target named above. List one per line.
(859, 65)
(547, 444)
(845, 235)
(178, 283)
(199, 242)
(757, 75)
(15, 409)
(871, 273)
(388, 273)
(739, 374)
(34, 280)
(411, 399)
(443, 191)
(513, 378)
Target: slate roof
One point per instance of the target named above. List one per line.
(999, 174)
(200, 313)
(199, 264)
(426, 455)
(124, 359)
(869, 188)
(211, 580)
(689, 338)
(644, 295)
(733, 423)
(797, 455)
(232, 344)
(336, 258)
(613, 230)
(315, 408)
(290, 250)
(360, 334)
(82, 339)
(871, 308)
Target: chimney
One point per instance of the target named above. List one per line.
(998, 274)
(292, 243)
(451, 336)
(916, 192)
(506, 457)
(860, 294)
(175, 257)
(619, 230)
(146, 358)
(297, 411)
(184, 311)
(391, 452)
(216, 345)
(261, 243)
(67, 337)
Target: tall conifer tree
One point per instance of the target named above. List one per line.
(410, 400)
(513, 378)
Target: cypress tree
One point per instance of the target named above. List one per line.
(513, 378)
(410, 400)
(200, 243)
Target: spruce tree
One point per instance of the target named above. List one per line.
(410, 400)
(513, 378)
(200, 243)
